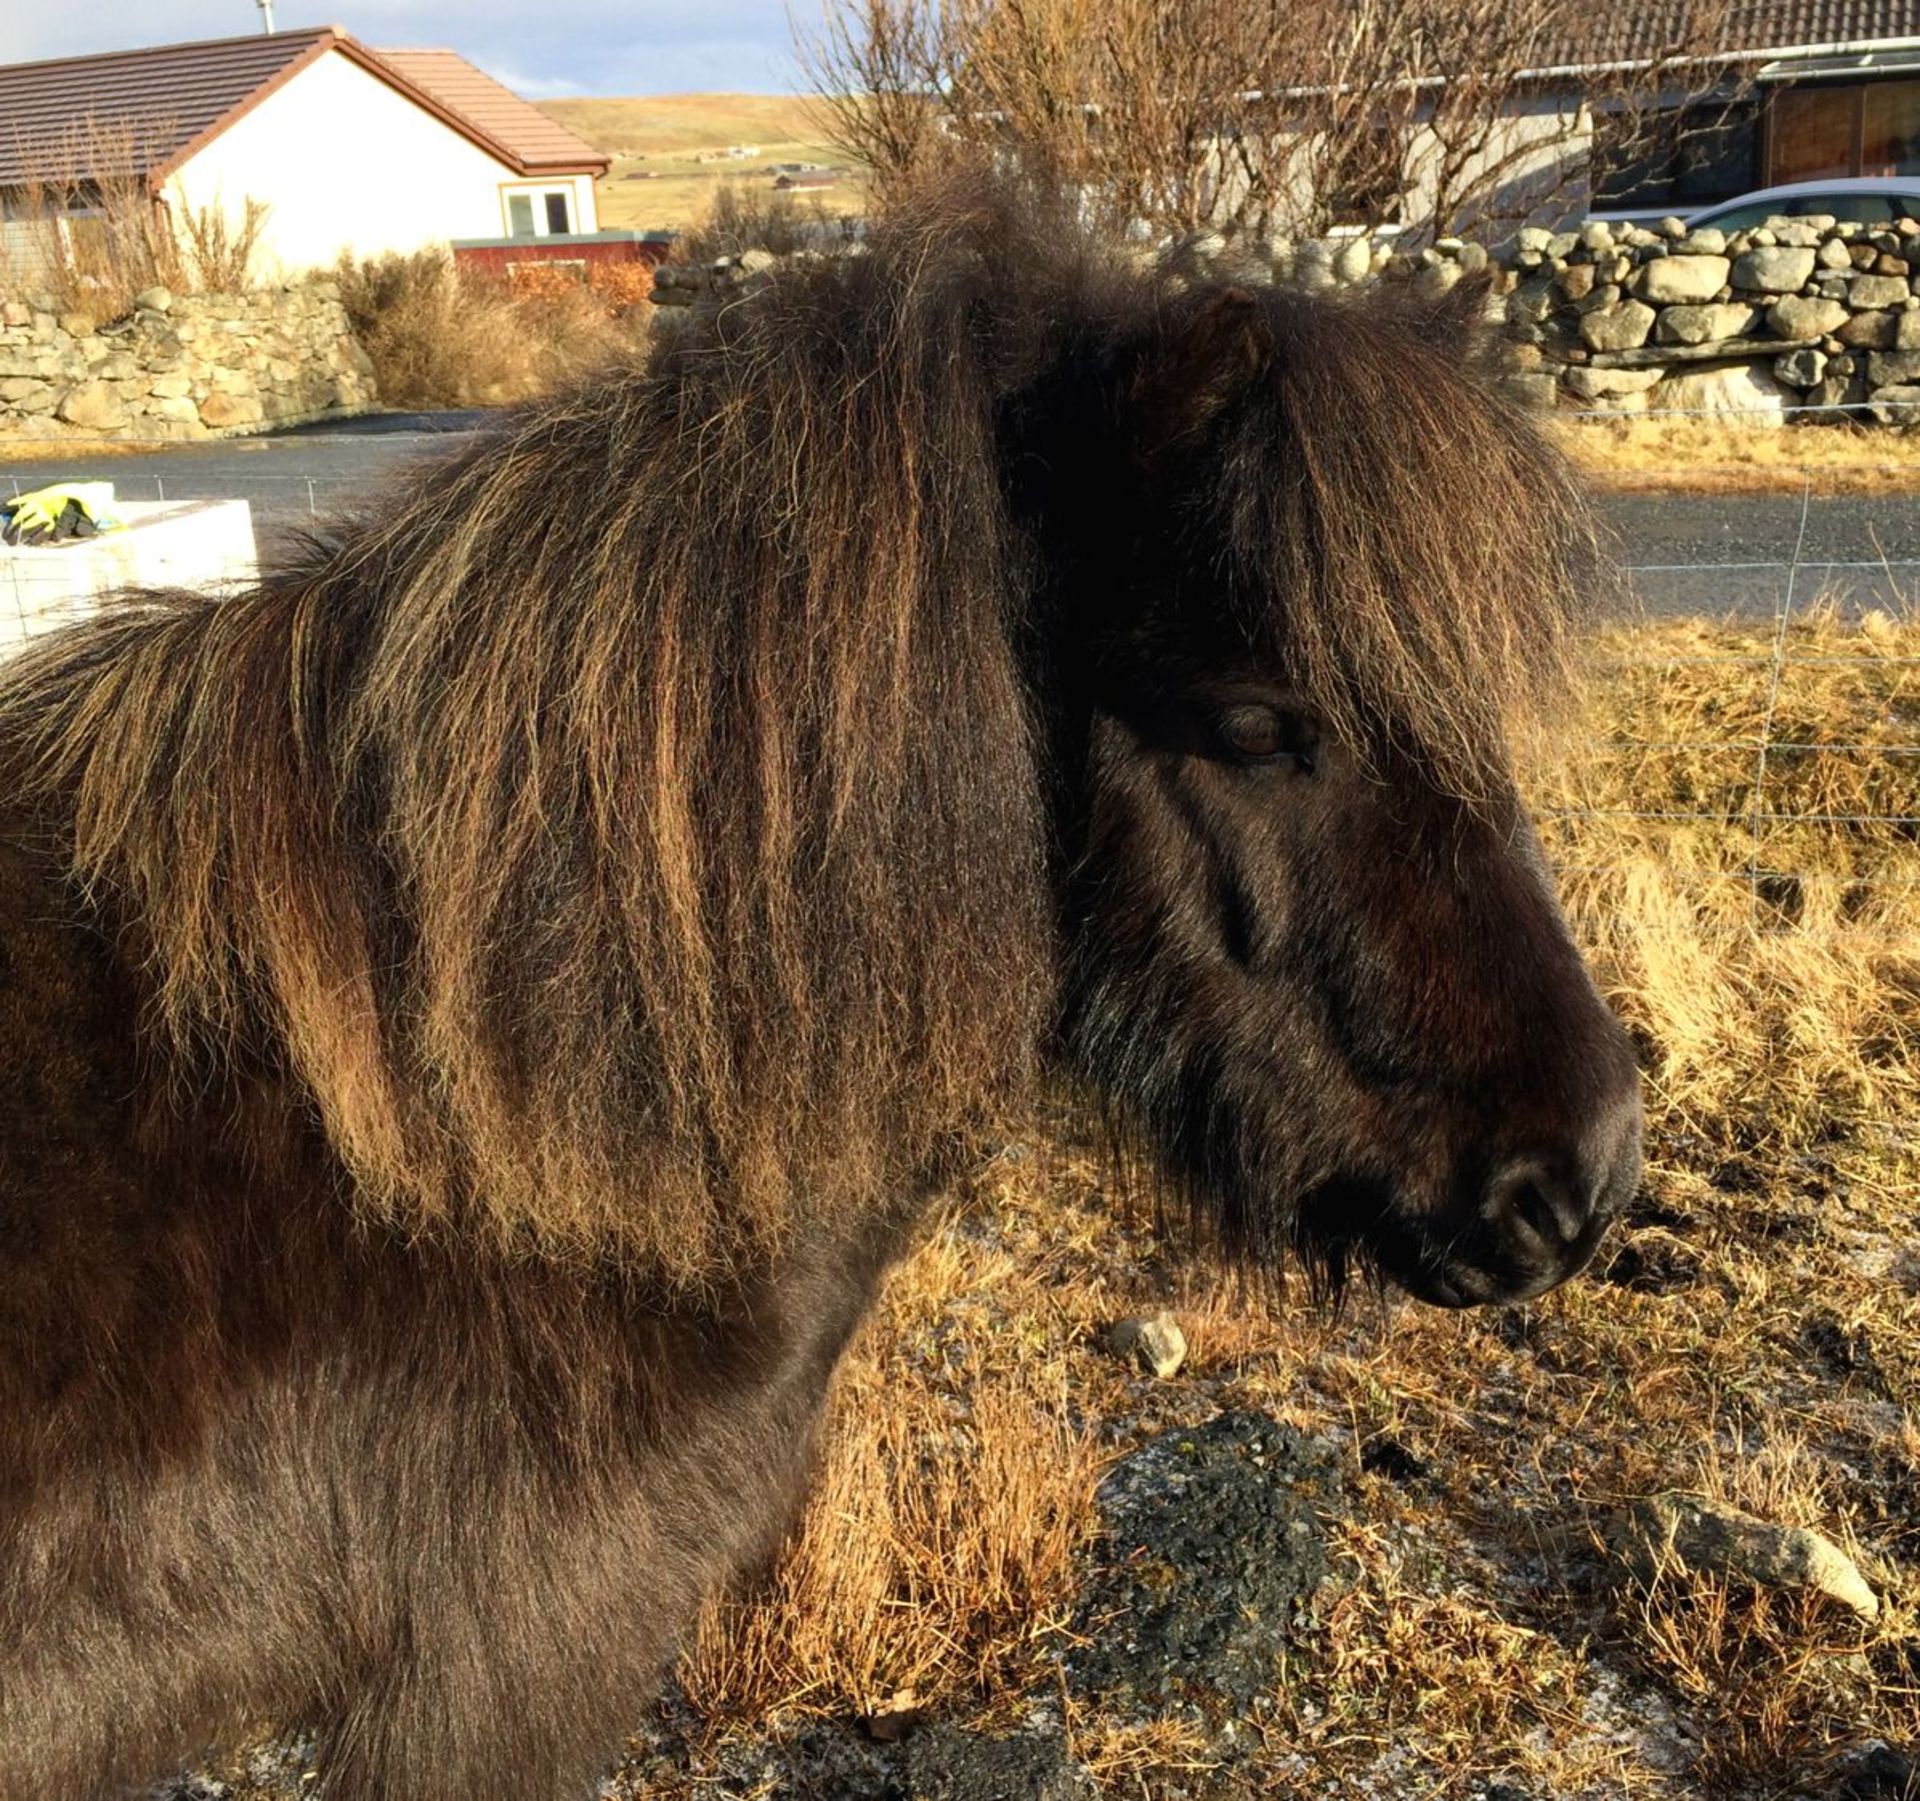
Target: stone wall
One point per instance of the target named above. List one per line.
(179, 368)
(1798, 313)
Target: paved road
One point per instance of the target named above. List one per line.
(1686, 553)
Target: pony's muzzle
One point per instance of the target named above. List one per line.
(1544, 1211)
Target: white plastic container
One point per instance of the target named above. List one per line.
(201, 544)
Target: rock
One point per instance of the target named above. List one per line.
(949, 1765)
(1353, 261)
(77, 325)
(1154, 1342)
(94, 406)
(1682, 278)
(1605, 384)
(1677, 1532)
(1738, 388)
(1705, 324)
(1800, 368)
(1897, 406)
(1893, 368)
(1472, 258)
(1880, 1773)
(1833, 255)
(1798, 317)
(1596, 235)
(757, 262)
(1622, 327)
(1672, 227)
(1876, 290)
(1213, 1546)
(1704, 242)
(1575, 281)
(220, 410)
(1906, 330)
(1532, 389)
(1530, 302)
(1534, 238)
(154, 300)
(1771, 270)
(14, 313)
(1800, 234)
(18, 387)
(1868, 331)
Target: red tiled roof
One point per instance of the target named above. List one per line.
(535, 141)
(142, 113)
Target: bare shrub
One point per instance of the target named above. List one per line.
(1297, 116)
(86, 229)
(440, 336)
(741, 218)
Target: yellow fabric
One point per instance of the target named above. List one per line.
(38, 511)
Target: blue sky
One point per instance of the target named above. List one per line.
(540, 47)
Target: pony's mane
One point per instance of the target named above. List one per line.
(632, 839)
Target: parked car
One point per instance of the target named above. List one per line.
(1866, 200)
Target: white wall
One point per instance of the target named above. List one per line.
(345, 163)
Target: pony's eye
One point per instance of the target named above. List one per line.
(1262, 734)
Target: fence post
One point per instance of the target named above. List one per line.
(1756, 813)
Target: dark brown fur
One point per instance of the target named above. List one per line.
(479, 1011)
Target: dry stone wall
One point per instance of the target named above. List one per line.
(180, 367)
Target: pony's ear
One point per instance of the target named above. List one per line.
(1185, 381)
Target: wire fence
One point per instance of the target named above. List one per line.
(1819, 567)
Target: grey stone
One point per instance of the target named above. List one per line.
(1623, 327)
(1704, 242)
(1154, 1343)
(1576, 281)
(1682, 278)
(1353, 260)
(1798, 234)
(1896, 405)
(1893, 368)
(1770, 270)
(94, 406)
(1679, 1532)
(154, 300)
(1737, 388)
(1796, 316)
(757, 262)
(1532, 388)
(1833, 255)
(1906, 330)
(1800, 368)
(1876, 290)
(1705, 324)
(1869, 331)
(1606, 384)
(1596, 234)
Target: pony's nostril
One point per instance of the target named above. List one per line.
(1528, 1199)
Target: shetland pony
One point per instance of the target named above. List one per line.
(481, 1009)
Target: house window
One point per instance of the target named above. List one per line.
(1683, 160)
(539, 212)
(1890, 128)
(1813, 133)
(1823, 133)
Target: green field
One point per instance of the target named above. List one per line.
(670, 151)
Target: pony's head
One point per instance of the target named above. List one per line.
(1300, 564)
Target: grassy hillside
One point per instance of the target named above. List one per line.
(670, 150)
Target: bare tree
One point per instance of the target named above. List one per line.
(1289, 116)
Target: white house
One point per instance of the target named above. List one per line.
(348, 148)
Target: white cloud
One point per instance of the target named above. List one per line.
(560, 47)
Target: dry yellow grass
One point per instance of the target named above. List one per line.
(1704, 456)
(1753, 1330)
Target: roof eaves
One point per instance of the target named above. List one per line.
(327, 39)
